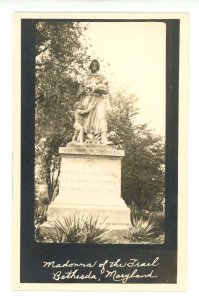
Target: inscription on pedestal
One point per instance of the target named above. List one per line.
(90, 178)
(92, 150)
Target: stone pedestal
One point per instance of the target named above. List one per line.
(90, 184)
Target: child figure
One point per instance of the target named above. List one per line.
(79, 119)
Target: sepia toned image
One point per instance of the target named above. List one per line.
(99, 142)
(100, 151)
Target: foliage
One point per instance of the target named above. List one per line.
(93, 232)
(40, 214)
(76, 229)
(60, 60)
(142, 229)
(158, 217)
(68, 230)
(143, 164)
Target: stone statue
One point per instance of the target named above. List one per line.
(79, 119)
(94, 107)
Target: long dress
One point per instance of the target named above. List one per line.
(95, 122)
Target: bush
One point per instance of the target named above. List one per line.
(142, 229)
(68, 230)
(76, 229)
(158, 217)
(93, 232)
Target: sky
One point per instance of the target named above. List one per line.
(136, 56)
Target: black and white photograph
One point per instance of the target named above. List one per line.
(99, 142)
(100, 120)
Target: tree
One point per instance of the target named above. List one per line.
(143, 164)
(60, 63)
(60, 60)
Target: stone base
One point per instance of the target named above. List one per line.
(117, 217)
(90, 187)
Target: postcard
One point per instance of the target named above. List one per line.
(99, 157)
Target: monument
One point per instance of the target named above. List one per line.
(90, 177)
(90, 184)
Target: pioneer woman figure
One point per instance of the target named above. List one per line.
(93, 92)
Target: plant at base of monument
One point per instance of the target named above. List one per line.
(76, 229)
(94, 232)
(55, 234)
(142, 229)
(68, 230)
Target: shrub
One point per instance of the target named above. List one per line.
(159, 218)
(95, 233)
(76, 229)
(142, 229)
(68, 230)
